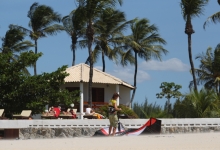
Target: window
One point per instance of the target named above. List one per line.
(98, 94)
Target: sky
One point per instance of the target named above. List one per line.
(166, 15)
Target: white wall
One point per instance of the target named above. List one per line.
(109, 90)
(129, 123)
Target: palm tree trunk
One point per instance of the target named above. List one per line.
(74, 50)
(103, 61)
(189, 31)
(73, 62)
(191, 61)
(168, 106)
(90, 34)
(35, 64)
(87, 61)
(90, 73)
(135, 77)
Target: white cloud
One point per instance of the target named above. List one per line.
(173, 64)
(127, 75)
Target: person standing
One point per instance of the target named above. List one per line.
(113, 118)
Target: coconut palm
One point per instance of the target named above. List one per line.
(14, 43)
(75, 27)
(202, 104)
(208, 72)
(89, 11)
(213, 18)
(109, 33)
(144, 42)
(191, 9)
(42, 23)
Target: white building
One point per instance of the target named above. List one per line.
(103, 87)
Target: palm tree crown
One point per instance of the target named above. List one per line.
(75, 27)
(198, 104)
(42, 19)
(213, 18)
(109, 33)
(89, 11)
(144, 42)
(209, 71)
(14, 43)
(191, 9)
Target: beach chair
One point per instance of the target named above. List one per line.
(52, 116)
(1, 114)
(90, 117)
(68, 116)
(25, 114)
(88, 114)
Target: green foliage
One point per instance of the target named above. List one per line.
(169, 90)
(145, 43)
(42, 22)
(215, 18)
(89, 11)
(19, 92)
(103, 110)
(208, 73)
(109, 33)
(192, 8)
(146, 110)
(202, 104)
(125, 111)
(75, 28)
(14, 43)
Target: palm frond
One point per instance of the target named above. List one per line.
(192, 8)
(53, 29)
(214, 18)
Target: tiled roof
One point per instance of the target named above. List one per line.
(80, 73)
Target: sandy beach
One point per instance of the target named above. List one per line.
(195, 141)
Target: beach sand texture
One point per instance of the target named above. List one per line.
(195, 141)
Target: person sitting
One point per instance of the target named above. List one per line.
(70, 112)
(99, 116)
(51, 112)
(57, 111)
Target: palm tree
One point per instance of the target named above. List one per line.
(202, 104)
(89, 11)
(42, 19)
(213, 18)
(144, 42)
(109, 27)
(74, 26)
(190, 9)
(209, 71)
(14, 43)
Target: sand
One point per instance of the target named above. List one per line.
(195, 141)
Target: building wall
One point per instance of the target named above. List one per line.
(109, 89)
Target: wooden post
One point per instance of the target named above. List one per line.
(11, 133)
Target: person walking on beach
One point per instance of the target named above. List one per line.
(113, 118)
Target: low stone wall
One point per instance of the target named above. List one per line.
(40, 133)
(201, 129)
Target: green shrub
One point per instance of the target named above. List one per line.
(125, 111)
